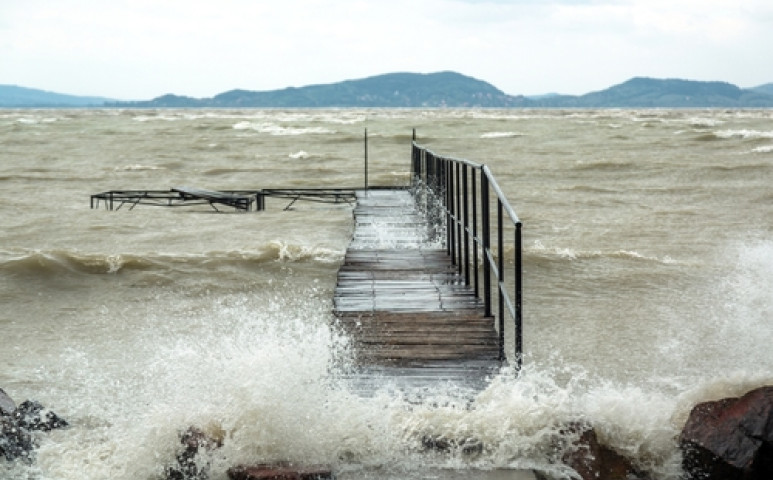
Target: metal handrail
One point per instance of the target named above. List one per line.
(461, 186)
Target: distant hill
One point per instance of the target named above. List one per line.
(643, 92)
(450, 89)
(12, 96)
(433, 90)
(442, 89)
(766, 89)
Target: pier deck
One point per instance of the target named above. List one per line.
(412, 320)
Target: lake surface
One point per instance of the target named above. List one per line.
(648, 284)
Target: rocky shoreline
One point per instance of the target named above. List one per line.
(19, 426)
(728, 439)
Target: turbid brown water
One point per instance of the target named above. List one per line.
(648, 272)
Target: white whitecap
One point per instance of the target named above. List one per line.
(744, 133)
(280, 130)
(700, 122)
(136, 168)
(299, 155)
(501, 135)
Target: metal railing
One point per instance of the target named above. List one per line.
(464, 191)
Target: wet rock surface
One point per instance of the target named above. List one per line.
(7, 405)
(280, 471)
(594, 461)
(19, 424)
(730, 439)
(31, 415)
(192, 463)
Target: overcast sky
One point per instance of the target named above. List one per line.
(140, 49)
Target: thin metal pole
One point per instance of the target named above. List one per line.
(486, 232)
(475, 230)
(366, 159)
(458, 210)
(466, 202)
(416, 157)
(501, 280)
(518, 298)
(450, 208)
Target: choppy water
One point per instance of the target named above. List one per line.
(648, 283)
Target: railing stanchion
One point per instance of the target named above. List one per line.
(486, 232)
(475, 231)
(518, 297)
(466, 226)
(501, 280)
(366, 159)
(457, 220)
(450, 208)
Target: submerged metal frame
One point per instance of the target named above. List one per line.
(240, 200)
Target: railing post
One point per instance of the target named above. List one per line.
(415, 169)
(366, 159)
(416, 158)
(466, 226)
(486, 232)
(450, 209)
(475, 230)
(428, 171)
(442, 175)
(518, 298)
(457, 215)
(501, 280)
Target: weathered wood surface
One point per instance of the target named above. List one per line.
(409, 315)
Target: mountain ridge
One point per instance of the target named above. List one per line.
(14, 96)
(392, 90)
(647, 92)
(428, 90)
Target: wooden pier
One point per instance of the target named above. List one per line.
(411, 318)
(416, 291)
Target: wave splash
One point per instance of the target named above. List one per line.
(60, 262)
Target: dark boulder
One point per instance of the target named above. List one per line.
(17, 424)
(595, 461)
(466, 446)
(31, 415)
(7, 405)
(15, 442)
(190, 463)
(280, 471)
(730, 439)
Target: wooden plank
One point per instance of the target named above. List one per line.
(407, 311)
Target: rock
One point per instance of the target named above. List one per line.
(467, 446)
(189, 461)
(730, 439)
(31, 415)
(15, 442)
(280, 471)
(7, 405)
(16, 439)
(592, 460)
